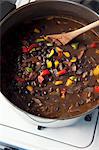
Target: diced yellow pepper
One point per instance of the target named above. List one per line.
(58, 82)
(51, 53)
(74, 59)
(67, 54)
(56, 63)
(36, 30)
(74, 45)
(29, 88)
(96, 71)
(69, 82)
(49, 64)
(50, 18)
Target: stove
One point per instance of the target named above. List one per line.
(16, 133)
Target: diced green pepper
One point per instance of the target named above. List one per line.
(39, 40)
(28, 69)
(74, 45)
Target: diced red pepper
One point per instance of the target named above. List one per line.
(20, 80)
(45, 72)
(62, 72)
(96, 89)
(40, 79)
(32, 46)
(27, 49)
(60, 54)
(24, 49)
(93, 45)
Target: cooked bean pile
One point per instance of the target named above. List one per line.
(57, 81)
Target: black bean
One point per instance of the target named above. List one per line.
(28, 83)
(74, 68)
(39, 53)
(50, 79)
(26, 92)
(19, 74)
(34, 53)
(79, 71)
(35, 83)
(39, 57)
(81, 102)
(31, 54)
(39, 85)
(25, 43)
(50, 89)
(43, 67)
(33, 66)
(47, 98)
(88, 117)
(45, 93)
(29, 64)
(29, 104)
(36, 91)
(40, 44)
(19, 91)
(70, 91)
(57, 108)
(76, 104)
(45, 85)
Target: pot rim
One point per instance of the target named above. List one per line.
(42, 1)
(24, 7)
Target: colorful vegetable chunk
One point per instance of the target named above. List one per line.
(74, 45)
(49, 64)
(69, 82)
(67, 54)
(45, 72)
(39, 40)
(58, 82)
(96, 71)
(29, 88)
(93, 45)
(36, 30)
(96, 89)
(74, 59)
(40, 79)
(56, 63)
(28, 69)
(61, 72)
(51, 53)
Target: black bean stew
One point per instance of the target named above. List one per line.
(56, 81)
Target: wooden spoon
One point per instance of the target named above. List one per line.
(65, 38)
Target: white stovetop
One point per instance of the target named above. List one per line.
(17, 131)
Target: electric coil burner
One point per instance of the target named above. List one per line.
(18, 134)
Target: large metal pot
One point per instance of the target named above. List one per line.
(44, 8)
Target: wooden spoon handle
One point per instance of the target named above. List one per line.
(84, 29)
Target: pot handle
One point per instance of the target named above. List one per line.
(20, 3)
(6, 7)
